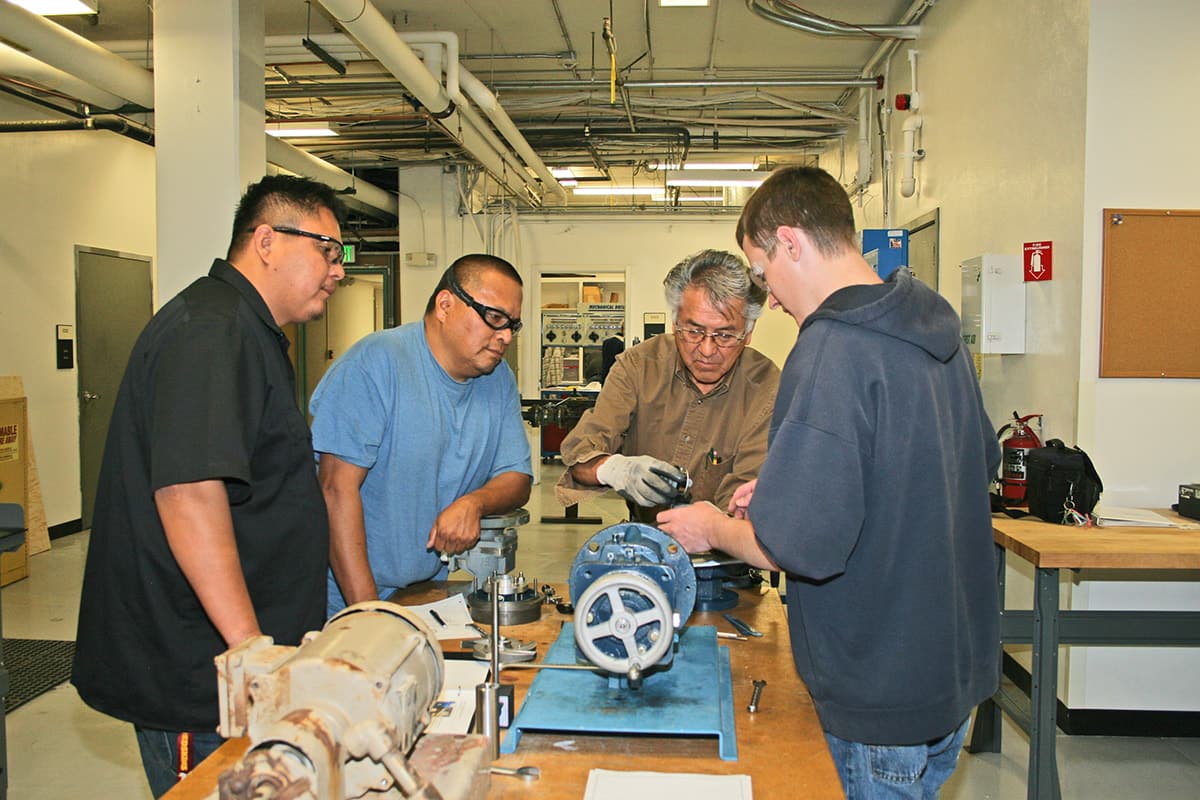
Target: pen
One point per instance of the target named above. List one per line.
(437, 618)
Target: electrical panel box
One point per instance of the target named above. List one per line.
(605, 320)
(993, 304)
(563, 329)
(890, 249)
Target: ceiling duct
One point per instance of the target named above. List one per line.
(363, 21)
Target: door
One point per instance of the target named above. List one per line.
(365, 302)
(112, 305)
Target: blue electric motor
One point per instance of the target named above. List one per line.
(633, 588)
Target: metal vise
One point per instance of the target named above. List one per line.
(633, 588)
(342, 715)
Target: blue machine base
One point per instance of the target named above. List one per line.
(682, 700)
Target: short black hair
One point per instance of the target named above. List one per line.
(807, 198)
(467, 269)
(275, 198)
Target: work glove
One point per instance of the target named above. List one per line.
(641, 479)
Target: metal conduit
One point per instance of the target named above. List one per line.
(787, 14)
(715, 83)
(114, 124)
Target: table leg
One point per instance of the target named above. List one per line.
(987, 730)
(571, 517)
(1043, 763)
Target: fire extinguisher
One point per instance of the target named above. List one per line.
(1016, 447)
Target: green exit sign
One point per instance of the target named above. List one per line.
(348, 253)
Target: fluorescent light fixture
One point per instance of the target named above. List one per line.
(715, 178)
(693, 198)
(568, 182)
(300, 130)
(49, 8)
(617, 190)
(669, 3)
(739, 165)
(562, 172)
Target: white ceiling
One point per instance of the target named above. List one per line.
(547, 62)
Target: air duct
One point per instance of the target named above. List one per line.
(364, 22)
(53, 44)
(15, 64)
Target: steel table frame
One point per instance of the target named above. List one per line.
(1047, 628)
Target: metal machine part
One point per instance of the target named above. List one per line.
(633, 588)
(520, 602)
(496, 554)
(511, 650)
(342, 715)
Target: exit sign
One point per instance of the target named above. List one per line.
(348, 253)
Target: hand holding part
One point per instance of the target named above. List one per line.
(641, 478)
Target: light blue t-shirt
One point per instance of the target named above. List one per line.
(424, 438)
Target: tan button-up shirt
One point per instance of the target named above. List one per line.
(650, 406)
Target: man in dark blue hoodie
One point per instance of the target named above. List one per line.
(873, 497)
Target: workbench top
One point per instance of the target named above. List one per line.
(1047, 545)
(781, 746)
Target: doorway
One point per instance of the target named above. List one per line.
(113, 302)
(365, 302)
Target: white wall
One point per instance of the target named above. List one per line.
(1140, 433)
(1003, 131)
(61, 190)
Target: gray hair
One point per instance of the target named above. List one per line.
(724, 278)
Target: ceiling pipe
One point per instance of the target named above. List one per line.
(53, 44)
(459, 79)
(712, 83)
(491, 106)
(431, 55)
(862, 177)
(787, 14)
(363, 21)
(115, 124)
(15, 64)
(364, 196)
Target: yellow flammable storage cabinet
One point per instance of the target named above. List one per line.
(15, 565)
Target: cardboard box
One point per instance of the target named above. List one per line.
(13, 443)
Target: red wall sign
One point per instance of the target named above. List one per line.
(1039, 258)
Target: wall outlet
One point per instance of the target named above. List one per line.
(420, 259)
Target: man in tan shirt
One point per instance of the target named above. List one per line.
(697, 399)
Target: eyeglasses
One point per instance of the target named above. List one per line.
(335, 251)
(721, 339)
(493, 317)
(759, 276)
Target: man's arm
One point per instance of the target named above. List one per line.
(585, 472)
(457, 528)
(340, 483)
(199, 529)
(702, 526)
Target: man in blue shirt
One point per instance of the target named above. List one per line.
(419, 435)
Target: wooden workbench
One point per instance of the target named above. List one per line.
(1050, 548)
(781, 747)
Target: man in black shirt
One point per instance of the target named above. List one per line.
(209, 525)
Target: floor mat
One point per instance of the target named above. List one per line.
(35, 666)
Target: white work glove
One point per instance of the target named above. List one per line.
(642, 479)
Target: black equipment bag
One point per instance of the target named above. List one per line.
(1060, 479)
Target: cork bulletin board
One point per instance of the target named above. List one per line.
(1150, 308)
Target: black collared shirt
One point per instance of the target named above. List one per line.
(208, 394)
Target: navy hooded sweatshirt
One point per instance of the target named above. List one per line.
(874, 499)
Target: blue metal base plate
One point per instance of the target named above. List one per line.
(682, 700)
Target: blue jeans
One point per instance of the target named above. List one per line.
(888, 772)
(160, 755)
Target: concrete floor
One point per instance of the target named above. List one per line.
(58, 747)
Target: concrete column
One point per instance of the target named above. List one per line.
(208, 120)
